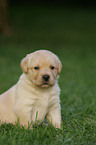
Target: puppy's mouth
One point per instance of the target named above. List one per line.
(45, 85)
(44, 82)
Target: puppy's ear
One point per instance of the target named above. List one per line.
(59, 66)
(24, 64)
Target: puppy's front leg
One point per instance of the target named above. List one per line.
(54, 116)
(38, 114)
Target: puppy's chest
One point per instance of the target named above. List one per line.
(42, 100)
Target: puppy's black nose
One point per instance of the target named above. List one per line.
(46, 78)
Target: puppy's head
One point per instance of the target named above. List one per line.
(42, 67)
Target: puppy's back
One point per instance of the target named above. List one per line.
(7, 105)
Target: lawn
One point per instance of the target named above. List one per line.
(71, 34)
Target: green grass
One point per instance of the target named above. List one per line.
(71, 34)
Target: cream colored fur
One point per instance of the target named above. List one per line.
(31, 96)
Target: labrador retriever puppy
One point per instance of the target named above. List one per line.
(36, 94)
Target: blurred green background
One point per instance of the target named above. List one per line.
(68, 31)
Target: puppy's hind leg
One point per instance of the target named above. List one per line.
(24, 117)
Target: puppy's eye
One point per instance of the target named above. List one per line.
(52, 67)
(36, 67)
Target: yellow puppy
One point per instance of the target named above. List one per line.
(36, 94)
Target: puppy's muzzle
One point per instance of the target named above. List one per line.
(46, 78)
